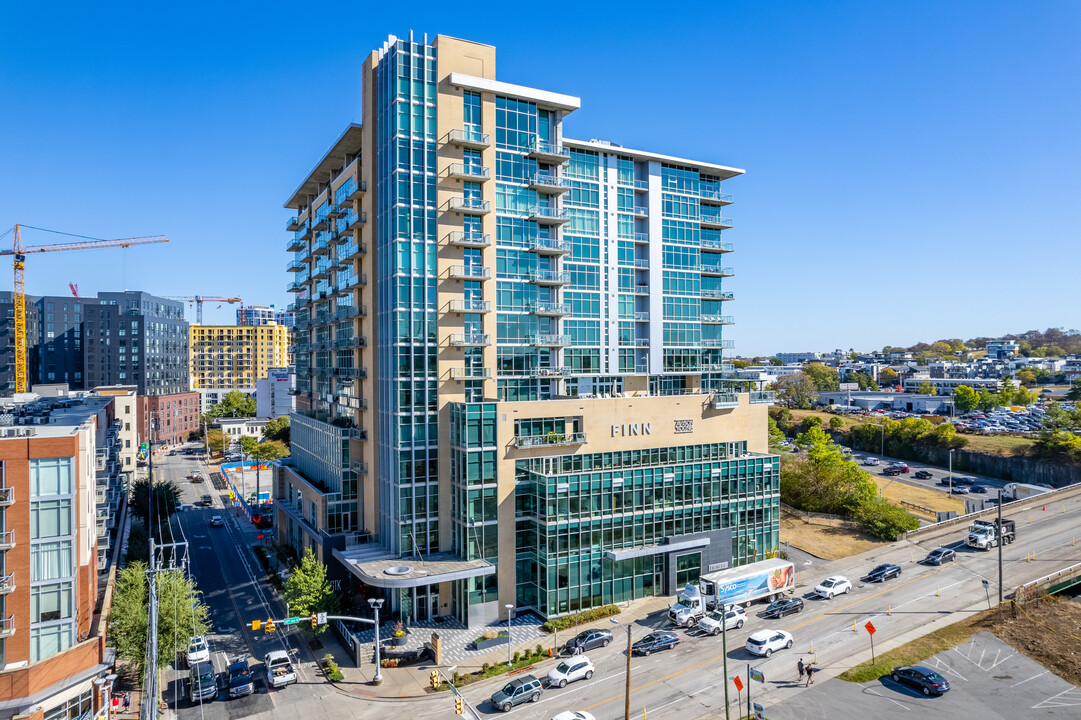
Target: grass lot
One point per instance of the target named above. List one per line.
(824, 538)
(915, 651)
(895, 491)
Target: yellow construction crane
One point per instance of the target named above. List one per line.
(20, 251)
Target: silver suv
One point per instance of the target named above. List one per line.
(518, 691)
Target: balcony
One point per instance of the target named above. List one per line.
(7, 584)
(296, 266)
(545, 215)
(359, 467)
(641, 211)
(640, 289)
(716, 246)
(552, 184)
(351, 373)
(708, 294)
(714, 197)
(717, 270)
(359, 190)
(321, 224)
(7, 627)
(470, 373)
(338, 210)
(470, 306)
(641, 263)
(717, 319)
(551, 371)
(469, 206)
(718, 367)
(549, 246)
(7, 540)
(549, 340)
(549, 440)
(715, 221)
(321, 272)
(7, 496)
(641, 342)
(641, 238)
(469, 272)
(296, 244)
(642, 316)
(358, 434)
(469, 138)
(549, 277)
(292, 224)
(763, 397)
(550, 309)
(713, 343)
(354, 219)
(641, 185)
(295, 287)
(470, 340)
(721, 401)
(461, 171)
(469, 240)
(549, 152)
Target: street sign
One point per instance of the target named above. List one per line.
(870, 628)
(321, 618)
(757, 676)
(291, 621)
(738, 682)
(759, 713)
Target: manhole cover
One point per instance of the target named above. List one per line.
(398, 570)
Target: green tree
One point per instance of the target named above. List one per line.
(740, 364)
(865, 381)
(248, 444)
(128, 615)
(269, 451)
(809, 422)
(925, 388)
(1023, 396)
(965, 399)
(181, 614)
(166, 495)
(988, 401)
(776, 362)
(888, 377)
(941, 348)
(797, 388)
(776, 437)
(234, 404)
(1074, 394)
(308, 591)
(1027, 378)
(138, 544)
(824, 378)
(836, 423)
(215, 438)
(824, 481)
(277, 429)
(1006, 392)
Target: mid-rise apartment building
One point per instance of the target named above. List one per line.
(7, 341)
(225, 358)
(263, 315)
(519, 395)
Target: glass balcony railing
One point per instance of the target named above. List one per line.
(550, 308)
(469, 272)
(469, 138)
(717, 246)
(641, 316)
(548, 215)
(552, 438)
(473, 206)
(548, 182)
(722, 270)
(549, 277)
(470, 340)
(715, 221)
(763, 396)
(711, 319)
(717, 294)
(467, 172)
(548, 340)
(470, 373)
(470, 306)
(714, 195)
(549, 246)
(464, 239)
(725, 400)
(549, 150)
(641, 237)
(641, 210)
(714, 343)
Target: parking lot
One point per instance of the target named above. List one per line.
(988, 680)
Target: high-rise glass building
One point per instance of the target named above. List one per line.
(508, 350)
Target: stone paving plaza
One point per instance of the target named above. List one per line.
(457, 639)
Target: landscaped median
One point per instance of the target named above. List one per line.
(519, 662)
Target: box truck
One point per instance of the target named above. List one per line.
(768, 579)
(1020, 491)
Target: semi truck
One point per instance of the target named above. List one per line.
(1020, 491)
(767, 579)
(986, 535)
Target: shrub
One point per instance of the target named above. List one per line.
(517, 657)
(881, 519)
(583, 617)
(331, 667)
(539, 651)
(485, 668)
(399, 629)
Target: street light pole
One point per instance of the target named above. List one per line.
(509, 609)
(377, 603)
(951, 473)
(627, 693)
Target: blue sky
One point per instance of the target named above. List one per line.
(912, 168)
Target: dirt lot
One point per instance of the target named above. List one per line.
(1050, 634)
(897, 491)
(825, 538)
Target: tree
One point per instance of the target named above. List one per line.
(1074, 394)
(1006, 392)
(234, 404)
(215, 438)
(277, 429)
(1023, 397)
(940, 348)
(797, 388)
(308, 591)
(269, 451)
(740, 364)
(247, 444)
(181, 614)
(888, 377)
(987, 400)
(865, 381)
(776, 437)
(926, 388)
(128, 615)
(776, 362)
(824, 481)
(836, 423)
(965, 399)
(824, 378)
(1027, 378)
(166, 495)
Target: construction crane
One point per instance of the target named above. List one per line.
(74, 289)
(20, 251)
(199, 300)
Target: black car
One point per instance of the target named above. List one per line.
(784, 606)
(939, 556)
(922, 475)
(981, 489)
(963, 481)
(587, 640)
(921, 678)
(655, 641)
(241, 680)
(883, 572)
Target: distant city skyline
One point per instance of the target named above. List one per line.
(911, 169)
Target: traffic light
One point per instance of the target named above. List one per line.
(256, 624)
(435, 679)
(269, 627)
(459, 705)
(315, 622)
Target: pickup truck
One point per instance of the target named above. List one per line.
(279, 669)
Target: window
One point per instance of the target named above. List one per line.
(49, 640)
(50, 476)
(49, 603)
(51, 560)
(50, 518)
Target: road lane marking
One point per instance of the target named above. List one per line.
(1031, 678)
(871, 691)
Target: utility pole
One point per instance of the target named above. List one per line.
(724, 655)
(627, 696)
(999, 531)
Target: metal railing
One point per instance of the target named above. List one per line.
(552, 181)
(552, 438)
(470, 339)
(469, 137)
(717, 269)
(468, 171)
(550, 340)
(7, 540)
(717, 319)
(469, 272)
(717, 245)
(543, 147)
(539, 244)
(7, 495)
(717, 294)
(763, 396)
(641, 237)
(470, 373)
(721, 400)
(558, 277)
(464, 204)
(463, 239)
(549, 213)
(550, 308)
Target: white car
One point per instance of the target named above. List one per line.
(574, 668)
(198, 650)
(871, 461)
(573, 715)
(833, 585)
(765, 642)
(734, 618)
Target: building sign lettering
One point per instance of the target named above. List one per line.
(632, 429)
(684, 426)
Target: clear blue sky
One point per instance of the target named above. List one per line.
(913, 168)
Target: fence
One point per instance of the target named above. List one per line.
(804, 514)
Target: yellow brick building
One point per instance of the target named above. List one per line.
(233, 357)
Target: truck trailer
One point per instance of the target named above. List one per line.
(767, 579)
(1020, 491)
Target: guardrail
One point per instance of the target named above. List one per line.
(1026, 502)
(921, 508)
(1075, 568)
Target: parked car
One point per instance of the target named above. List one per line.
(881, 573)
(766, 642)
(662, 640)
(939, 556)
(217, 521)
(516, 692)
(733, 618)
(241, 681)
(587, 640)
(198, 651)
(567, 671)
(922, 475)
(784, 606)
(921, 678)
(833, 585)
(960, 490)
(279, 669)
(202, 682)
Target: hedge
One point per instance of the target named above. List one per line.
(582, 617)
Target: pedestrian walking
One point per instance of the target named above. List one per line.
(799, 666)
(810, 670)
(127, 700)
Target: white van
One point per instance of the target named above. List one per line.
(871, 461)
